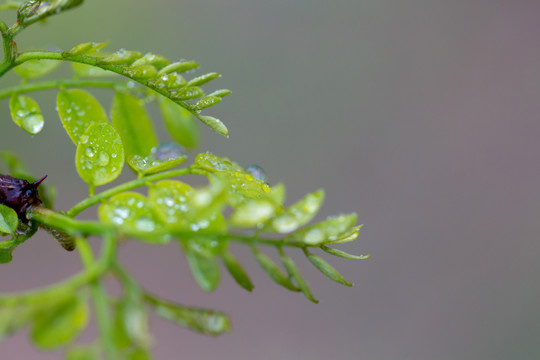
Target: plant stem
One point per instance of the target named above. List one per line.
(54, 84)
(99, 294)
(96, 199)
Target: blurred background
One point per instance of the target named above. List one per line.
(421, 116)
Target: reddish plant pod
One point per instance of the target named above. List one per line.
(19, 194)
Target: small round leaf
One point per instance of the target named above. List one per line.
(26, 114)
(78, 110)
(100, 154)
(8, 220)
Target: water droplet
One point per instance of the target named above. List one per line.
(89, 151)
(257, 172)
(103, 159)
(145, 224)
(84, 139)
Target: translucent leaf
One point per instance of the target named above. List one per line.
(13, 317)
(179, 67)
(273, 270)
(327, 269)
(157, 61)
(298, 214)
(206, 102)
(347, 236)
(295, 274)
(8, 220)
(180, 123)
(130, 119)
(60, 324)
(187, 93)
(5, 256)
(33, 69)
(203, 79)
(78, 110)
(208, 322)
(252, 213)
(242, 186)
(133, 316)
(170, 200)
(85, 49)
(325, 231)
(203, 265)
(130, 211)
(26, 114)
(100, 154)
(122, 57)
(220, 93)
(237, 272)
(344, 254)
(160, 159)
(214, 124)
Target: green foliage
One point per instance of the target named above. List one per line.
(237, 205)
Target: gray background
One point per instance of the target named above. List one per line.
(422, 116)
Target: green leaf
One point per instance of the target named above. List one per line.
(203, 265)
(9, 221)
(208, 322)
(180, 123)
(132, 212)
(141, 72)
(169, 82)
(60, 324)
(26, 114)
(154, 60)
(13, 317)
(298, 214)
(347, 236)
(100, 154)
(5, 257)
(33, 69)
(326, 231)
(206, 102)
(237, 272)
(220, 93)
(32, 11)
(139, 354)
(87, 48)
(203, 79)
(78, 110)
(209, 161)
(273, 270)
(181, 207)
(149, 165)
(134, 317)
(81, 353)
(187, 93)
(179, 67)
(214, 124)
(344, 254)
(130, 119)
(253, 213)
(169, 198)
(122, 57)
(295, 274)
(327, 269)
